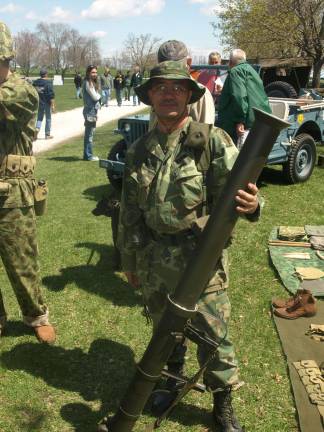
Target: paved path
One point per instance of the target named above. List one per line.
(68, 124)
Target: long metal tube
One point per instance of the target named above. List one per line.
(181, 306)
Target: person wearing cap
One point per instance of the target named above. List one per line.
(173, 176)
(18, 242)
(204, 109)
(46, 94)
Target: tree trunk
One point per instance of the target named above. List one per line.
(317, 68)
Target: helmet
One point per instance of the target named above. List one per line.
(6, 43)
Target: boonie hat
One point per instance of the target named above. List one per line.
(172, 50)
(43, 72)
(6, 44)
(170, 70)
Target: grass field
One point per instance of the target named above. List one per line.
(101, 331)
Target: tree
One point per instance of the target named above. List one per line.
(276, 28)
(54, 37)
(27, 50)
(141, 50)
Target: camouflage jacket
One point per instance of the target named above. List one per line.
(18, 109)
(163, 187)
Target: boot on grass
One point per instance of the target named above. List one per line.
(223, 413)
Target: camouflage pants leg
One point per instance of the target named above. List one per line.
(160, 267)
(19, 254)
(214, 310)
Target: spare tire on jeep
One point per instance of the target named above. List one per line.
(281, 89)
(116, 153)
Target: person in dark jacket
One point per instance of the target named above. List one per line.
(136, 80)
(78, 85)
(243, 90)
(46, 95)
(118, 86)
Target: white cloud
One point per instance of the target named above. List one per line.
(10, 8)
(116, 8)
(60, 14)
(99, 34)
(32, 16)
(208, 7)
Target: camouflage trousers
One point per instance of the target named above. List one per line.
(19, 254)
(159, 267)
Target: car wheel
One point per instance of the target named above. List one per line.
(301, 159)
(116, 153)
(281, 89)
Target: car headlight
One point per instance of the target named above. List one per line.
(127, 127)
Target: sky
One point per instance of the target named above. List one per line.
(112, 20)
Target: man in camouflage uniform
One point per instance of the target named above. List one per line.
(164, 194)
(18, 244)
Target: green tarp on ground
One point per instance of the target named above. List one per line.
(297, 346)
(286, 266)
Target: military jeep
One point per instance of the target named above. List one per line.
(295, 147)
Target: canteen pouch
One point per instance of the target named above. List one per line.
(40, 197)
(4, 188)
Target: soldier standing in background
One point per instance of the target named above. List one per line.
(173, 176)
(18, 243)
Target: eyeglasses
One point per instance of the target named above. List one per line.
(177, 89)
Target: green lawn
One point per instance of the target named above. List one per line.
(101, 331)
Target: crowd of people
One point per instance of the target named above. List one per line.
(123, 84)
(167, 189)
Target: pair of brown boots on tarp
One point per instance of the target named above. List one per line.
(302, 304)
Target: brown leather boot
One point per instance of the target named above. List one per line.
(302, 306)
(285, 303)
(45, 334)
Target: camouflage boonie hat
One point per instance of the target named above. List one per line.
(172, 50)
(170, 70)
(6, 44)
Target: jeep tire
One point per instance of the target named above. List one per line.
(281, 89)
(301, 159)
(116, 153)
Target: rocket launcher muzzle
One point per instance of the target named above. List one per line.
(182, 305)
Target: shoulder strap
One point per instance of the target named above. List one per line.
(198, 139)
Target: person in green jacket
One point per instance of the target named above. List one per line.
(243, 90)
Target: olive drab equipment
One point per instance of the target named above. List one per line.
(6, 43)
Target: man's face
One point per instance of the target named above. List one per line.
(93, 74)
(169, 98)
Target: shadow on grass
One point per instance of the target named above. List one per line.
(102, 375)
(271, 176)
(97, 278)
(16, 328)
(65, 158)
(95, 193)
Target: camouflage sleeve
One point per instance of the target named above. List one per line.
(223, 155)
(18, 101)
(130, 231)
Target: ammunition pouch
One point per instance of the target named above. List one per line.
(4, 188)
(40, 197)
(16, 166)
(176, 239)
